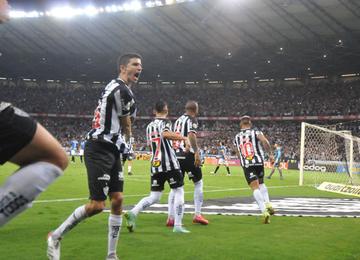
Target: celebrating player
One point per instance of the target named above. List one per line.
(190, 161)
(164, 167)
(249, 143)
(102, 156)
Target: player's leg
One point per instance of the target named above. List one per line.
(264, 190)
(98, 183)
(216, 169)
(171, 198)
(116, 186)
(195, 174)
(280, 172)
(252, 179)
(227, 168)
(272, 171)
(130, 162)
(171, 209)
(157, 186)
(36, 151)
(176, 181)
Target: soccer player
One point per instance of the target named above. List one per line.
(102, 157)
(276, 163)
(190, 161)
(73, 149)
(82, 148)
(250, 142)
(164, 167)
(222, 151)
(29, 145)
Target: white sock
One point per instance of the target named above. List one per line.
(114, 225)
(75, 218)
(21, 188)
(179, 206)
(198, 197)
(259, 200)
(146, 202)
(264, 192)
(129, 168)
(171, 207)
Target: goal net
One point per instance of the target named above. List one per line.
(328, 155)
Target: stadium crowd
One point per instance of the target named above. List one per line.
(322, 97)
(271, 99)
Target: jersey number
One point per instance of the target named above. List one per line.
(247, 150)
(157, 154)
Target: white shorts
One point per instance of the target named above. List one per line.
(223, 161)
(72, 152)
(81, 152)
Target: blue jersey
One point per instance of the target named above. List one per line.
(277, 154)
(82, 145)
(74, 144)
(202, 155)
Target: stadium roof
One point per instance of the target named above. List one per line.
(215, 39)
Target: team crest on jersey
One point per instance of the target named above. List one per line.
(156, 164)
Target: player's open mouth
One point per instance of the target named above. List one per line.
(137, 75)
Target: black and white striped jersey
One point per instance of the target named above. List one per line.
(117, 100)
(183, 126)
(163, 155)
(249, 147)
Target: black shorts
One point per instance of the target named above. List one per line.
(103, 165)
(187, 165)
(17, 129)
(128, 157)
(175, 179)
(253, 173)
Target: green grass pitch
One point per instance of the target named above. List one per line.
(226, 237)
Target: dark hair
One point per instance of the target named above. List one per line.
(124, 59)
(160, 106)
(191, 105)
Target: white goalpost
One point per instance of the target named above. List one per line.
(328, 155)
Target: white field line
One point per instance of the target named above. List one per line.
(143, 195)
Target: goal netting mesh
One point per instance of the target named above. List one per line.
(328, 155)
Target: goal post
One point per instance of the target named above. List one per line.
(328, 155)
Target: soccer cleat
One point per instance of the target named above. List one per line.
(268, 177)
(180, 230)
(265, 218)
(130, 221)
(130, 173)
(170, 222)
(200, 219)
(112, 257)
(53, 249)
(229, 174)
(270, 209)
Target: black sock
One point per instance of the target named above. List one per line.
(228, 170)
(217, 168)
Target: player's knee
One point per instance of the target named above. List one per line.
(116, 201)
(95, 207)
(155, 197)
(60, 159)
